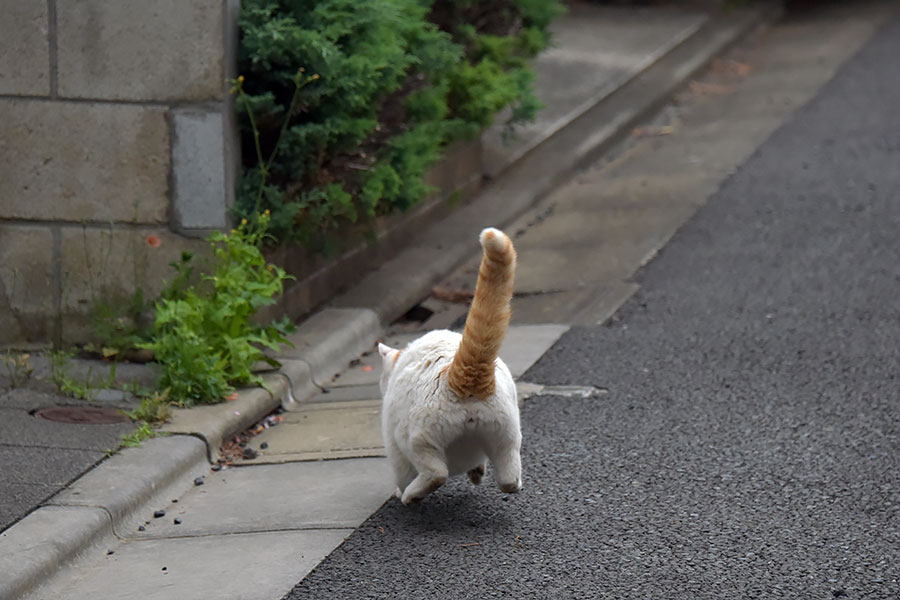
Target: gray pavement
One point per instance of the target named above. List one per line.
(748, 442)
(615, 65)
(277, 521)
(39, 457)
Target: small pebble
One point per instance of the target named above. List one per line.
(264, 445)
(164, 568)
(108, 552)
(249, 453)
(174, 500)
(216, 467)
(177, 521)
(243, 444)
(141, 528)
(159, 513)
(198, 481)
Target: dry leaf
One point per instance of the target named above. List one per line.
(458, 296)
(730, 67)
(709, 89)
(648, 131)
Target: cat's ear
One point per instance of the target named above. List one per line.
(388, 355)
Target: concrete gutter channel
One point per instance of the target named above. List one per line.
(97, 506)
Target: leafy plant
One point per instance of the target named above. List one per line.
(347, 104)
(154, 408)
(203, 336)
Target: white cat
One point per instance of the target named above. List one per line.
(449, 401)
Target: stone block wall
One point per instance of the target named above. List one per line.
(117, 151)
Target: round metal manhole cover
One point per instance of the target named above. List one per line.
(84, 415)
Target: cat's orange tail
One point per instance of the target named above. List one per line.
(472, 371)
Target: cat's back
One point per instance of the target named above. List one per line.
(418, 374)
(428, 355)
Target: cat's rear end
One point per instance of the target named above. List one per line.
(449, 401)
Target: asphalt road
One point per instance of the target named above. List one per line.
(749, 443)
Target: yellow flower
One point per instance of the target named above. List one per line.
(234, 231)
(243, 222)
(240, 79)
(267, 212)
(316, 76)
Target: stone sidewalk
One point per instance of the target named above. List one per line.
(104, 509)
(275, 516)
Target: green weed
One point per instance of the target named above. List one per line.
(134, 439)
(18, 367)
(203, 336)
(154, 408)
(59, 373)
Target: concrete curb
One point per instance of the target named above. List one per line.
(128, 481)
(45, 540)
(107, 500)
(99, 504)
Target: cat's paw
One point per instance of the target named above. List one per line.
(512, 487)
(419, 489)
(411, 500)
(476, 474)
(398, 493)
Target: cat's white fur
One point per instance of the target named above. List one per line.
(443, 417)
(430, 434)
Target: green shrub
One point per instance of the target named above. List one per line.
(202, 336)
(345, 105)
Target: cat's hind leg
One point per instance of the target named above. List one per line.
(477, 474)
(432, 471)
(404, 471)
(507, 467)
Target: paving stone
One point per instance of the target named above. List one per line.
(24, 48)
(308, 495)
(524, 344)
(324, 430)
(194, 568)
